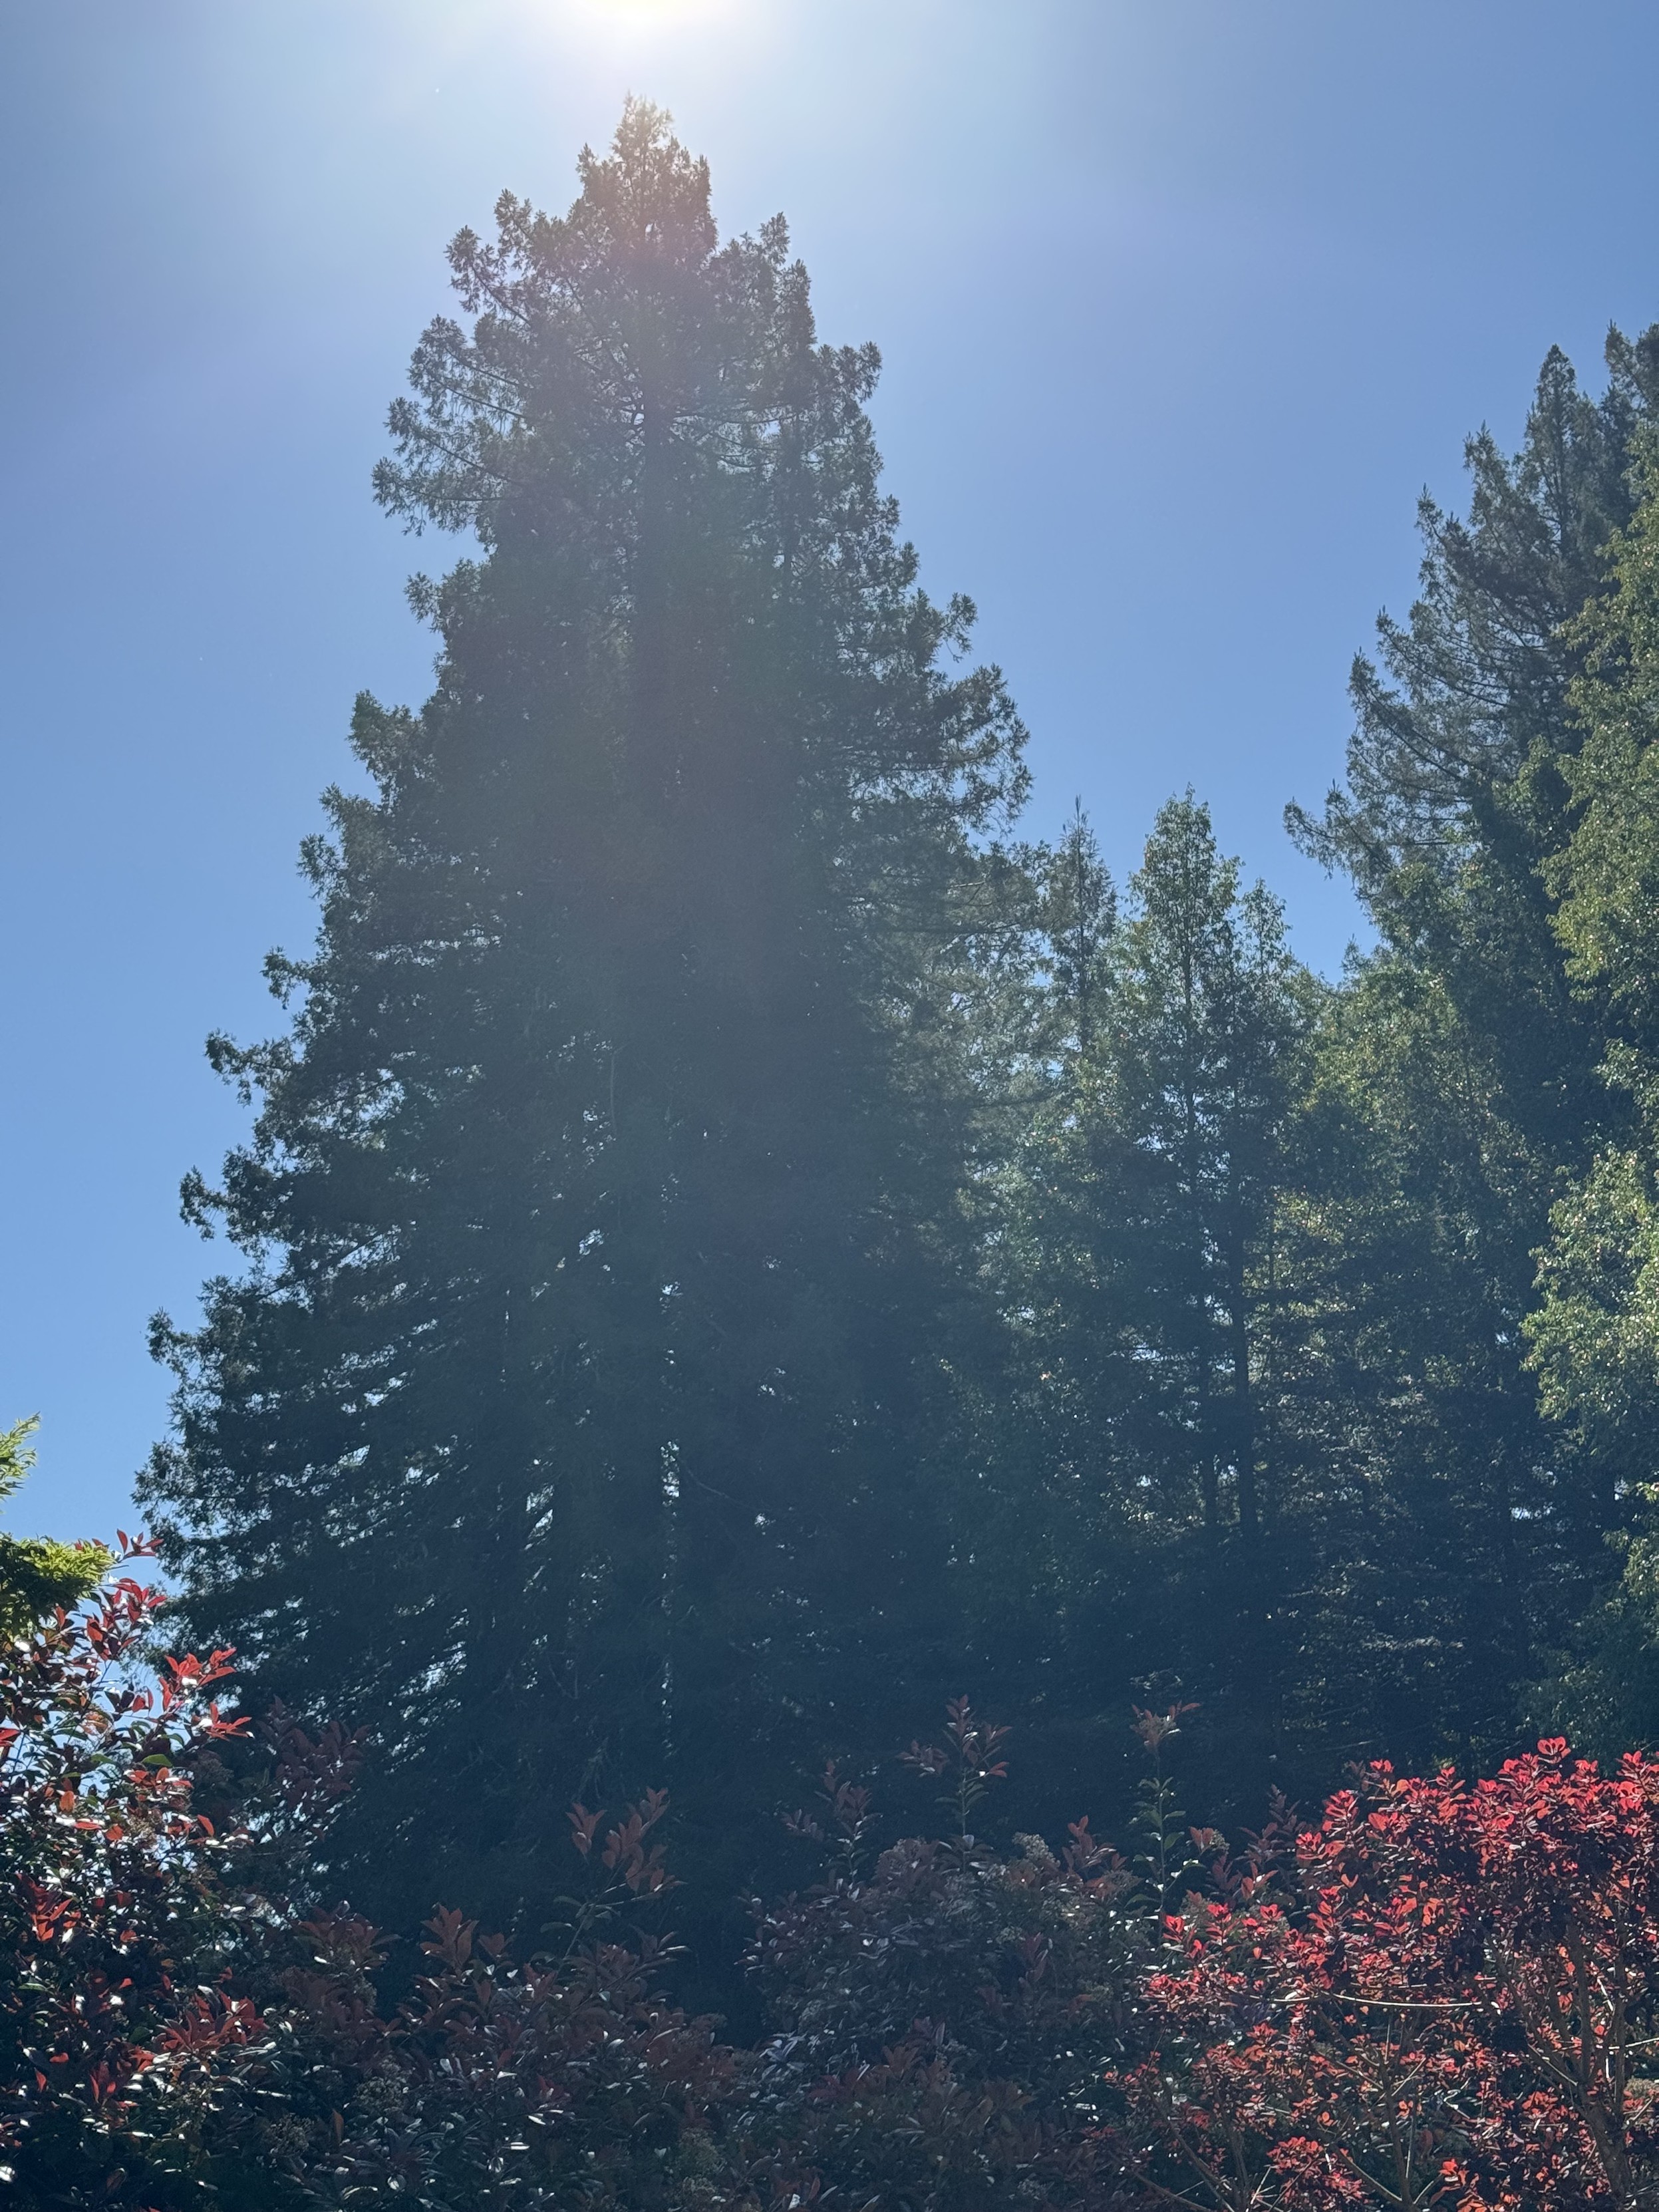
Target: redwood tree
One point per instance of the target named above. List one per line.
(568, 1421)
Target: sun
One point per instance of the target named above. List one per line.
(645, 13)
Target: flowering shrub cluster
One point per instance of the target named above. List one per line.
(1442, 1994)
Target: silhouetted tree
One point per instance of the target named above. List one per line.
(573, 1412)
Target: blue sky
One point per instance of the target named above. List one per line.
(1182, 302)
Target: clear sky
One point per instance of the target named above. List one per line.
(1181, 301)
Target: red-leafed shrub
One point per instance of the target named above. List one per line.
(567, 2079)
(942, 2013)
(120, 1940)
(1454, 1999)
(180, 2025)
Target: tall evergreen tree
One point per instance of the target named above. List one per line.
(1594, 1334)
(1437, 1567)
(569, 1422)
(1461, 1092)
(1134, 1460)
(1355, 1372)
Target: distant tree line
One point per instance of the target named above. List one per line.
(737, 1243)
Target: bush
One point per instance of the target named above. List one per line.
(1443, 1993)
(1449, 1999)
(125, 1936)
(180, 2025)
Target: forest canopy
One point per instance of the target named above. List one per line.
(738, 1240)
